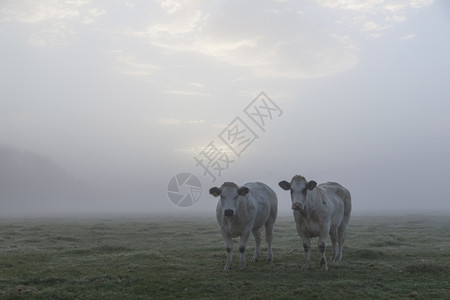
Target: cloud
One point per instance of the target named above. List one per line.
(173, 121)
(409, 37)
(196, 84)
(188, 93)
(128, 65)
(279, 43)
(374, 15)
(371, 26)
(188, 150)
(264, 39)
(395, 19)
(176, 26)
(48, 22)
(97, 12)
(374, 6)
(196, 121)
(29, 11)
(173, 6)
(92, 14)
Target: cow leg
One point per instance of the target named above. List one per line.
(333, 236)
(341, 239)
(307, 247)
(257, 235)
(229, 246)
(322, 244)
(269, 231)
(242, 244)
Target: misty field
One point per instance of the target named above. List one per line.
(162, 258)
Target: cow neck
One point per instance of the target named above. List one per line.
(233, 222)
(244, 206)
(309, 207)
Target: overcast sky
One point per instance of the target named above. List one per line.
(124, 94)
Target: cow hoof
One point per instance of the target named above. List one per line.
(227, 268)
(325, 268)
(269, 259)
(336, 258)
(243, 267)
(255, 259)
(305, 266)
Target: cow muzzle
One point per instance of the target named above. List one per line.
(297, 206)
(228, 213)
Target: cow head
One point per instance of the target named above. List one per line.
(229, 193)
(299, 188)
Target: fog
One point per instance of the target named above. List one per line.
(103, 103)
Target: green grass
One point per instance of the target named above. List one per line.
(156, 258)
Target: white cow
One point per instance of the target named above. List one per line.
(319, 211)
(242, 210)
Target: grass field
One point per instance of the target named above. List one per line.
(161, 258)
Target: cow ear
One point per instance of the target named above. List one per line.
(243, 191)
(285, 185)
(215, 191)
(311, 185)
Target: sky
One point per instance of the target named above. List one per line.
(123, 96)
